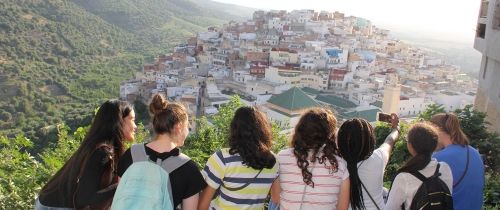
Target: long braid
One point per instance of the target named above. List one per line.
(356, 143)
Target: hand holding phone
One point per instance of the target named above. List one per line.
(383, 117)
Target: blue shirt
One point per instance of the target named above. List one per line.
(468, 194)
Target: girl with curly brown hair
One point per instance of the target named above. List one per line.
(240, 176)
(312, 175)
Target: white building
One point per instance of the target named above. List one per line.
(283, 76)
(316, 80)
(487, 43)
(452, 100)
(129, 87)
(411, 106)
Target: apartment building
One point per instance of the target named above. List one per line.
(487, 42)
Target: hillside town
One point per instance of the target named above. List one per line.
(285, 62)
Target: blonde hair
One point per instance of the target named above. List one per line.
(450, 124)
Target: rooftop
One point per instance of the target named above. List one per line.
(336, 101)
(369, 115)
(293, 99)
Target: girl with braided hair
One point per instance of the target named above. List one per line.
(366, 165)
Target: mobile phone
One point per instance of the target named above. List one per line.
(384, 117)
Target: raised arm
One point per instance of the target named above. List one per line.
(391, 139)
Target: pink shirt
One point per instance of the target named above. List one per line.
(326, 189)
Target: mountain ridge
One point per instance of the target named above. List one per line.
(62, 58)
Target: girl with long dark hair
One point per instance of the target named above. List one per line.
(171, 127)
(87, 179)
(465, 161)
(366, 165)
(312, 175)
(243, 173)
(422, 141)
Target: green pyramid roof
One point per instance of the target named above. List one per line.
(369, 115)
(311, 90)
(293, 99)
(336, 101)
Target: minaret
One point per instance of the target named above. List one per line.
(392, 92)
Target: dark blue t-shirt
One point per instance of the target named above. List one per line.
(468, 194)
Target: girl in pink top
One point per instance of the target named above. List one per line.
(312, 175)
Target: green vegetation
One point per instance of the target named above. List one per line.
(212, 136)
(474, 126)
(62, 58)
(23, 175)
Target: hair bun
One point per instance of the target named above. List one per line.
(158, 104)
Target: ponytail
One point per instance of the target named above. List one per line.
(450, 124)
(416, 163)
(422, 138)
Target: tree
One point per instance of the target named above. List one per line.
(19, 172)
(222, 119)
(212, 135)
(399, 153)
(474, 125)
(431, 110)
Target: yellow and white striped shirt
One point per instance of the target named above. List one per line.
(223, 167)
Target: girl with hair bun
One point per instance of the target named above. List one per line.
(465, 162)
(422, 141)
(312, 175)
(171, 127)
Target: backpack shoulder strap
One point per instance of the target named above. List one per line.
(138, 152)
(420, 176)
(436, 173)
(423, 178)
(174, 162)
(465, 171)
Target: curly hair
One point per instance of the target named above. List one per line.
(250, 137)
(315, 130)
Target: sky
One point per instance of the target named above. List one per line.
(452, 20)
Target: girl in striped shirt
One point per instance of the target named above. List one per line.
(312, 175)
(240, 176)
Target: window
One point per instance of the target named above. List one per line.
(496, 17)
(481, 30)
(483, 12)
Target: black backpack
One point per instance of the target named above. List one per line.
(432, 194)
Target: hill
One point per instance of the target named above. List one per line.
(61, 58)
(462, 53)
